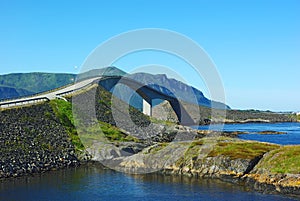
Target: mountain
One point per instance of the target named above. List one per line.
(108, 71)
(11, 92)
(23, 84)
(177, 89)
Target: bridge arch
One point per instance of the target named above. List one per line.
(148, 94)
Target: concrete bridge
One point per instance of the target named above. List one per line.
(147, 93)
(46, 96)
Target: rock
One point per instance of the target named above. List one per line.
(269, 132)
(32, 142)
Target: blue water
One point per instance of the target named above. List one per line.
(92, 183)
(292, 130)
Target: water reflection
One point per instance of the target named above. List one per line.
(92, 182)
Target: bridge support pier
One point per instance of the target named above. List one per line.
(147, 108)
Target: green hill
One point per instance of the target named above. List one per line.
(22, 84)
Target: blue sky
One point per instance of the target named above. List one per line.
(254, 44)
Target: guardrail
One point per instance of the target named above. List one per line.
(23, 102)
(72, 91)
(37, 94)
(32, 100)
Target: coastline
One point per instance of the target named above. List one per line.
(37, 140)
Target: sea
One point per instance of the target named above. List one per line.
(291, 131)
(93, 182)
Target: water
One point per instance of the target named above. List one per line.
(93, 183)
(292, 129)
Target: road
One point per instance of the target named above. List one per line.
(48, 96)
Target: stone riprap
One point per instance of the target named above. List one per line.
(32, 140)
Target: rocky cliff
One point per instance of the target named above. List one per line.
(228, 159)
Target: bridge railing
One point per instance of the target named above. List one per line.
(32, 100)
(72, 91)
(36, 94)
(23, 102)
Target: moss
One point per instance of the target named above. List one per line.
(196, 143)
(191, 154)
(242, 149)
(286, 159)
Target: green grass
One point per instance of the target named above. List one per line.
(286, 159)
(164, 122)
(114, 134)
(63, 110)
(245, 150)
(191, 154)
(196, 143)
(103, 132)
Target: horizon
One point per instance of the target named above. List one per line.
(255, 45)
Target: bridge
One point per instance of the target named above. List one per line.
(147, 93)
(46, 96)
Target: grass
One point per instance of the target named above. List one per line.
(286, 159)
(244, 150)
(191, 154)
(114, 134)
(164, 122)
(63, 110)
(103, 132)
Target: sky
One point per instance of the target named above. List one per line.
(254, 44)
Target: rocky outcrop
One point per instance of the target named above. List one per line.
(224, 158)
(278, 171)
(269, 132)
(32, 140)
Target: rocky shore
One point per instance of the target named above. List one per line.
(43, 137)
(228, 159)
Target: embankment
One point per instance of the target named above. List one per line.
(32, 139)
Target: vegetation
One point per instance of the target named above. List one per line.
(242, 149)
(191, 153)
(164, 122)
(158, 147)
(102, 131)
(285, 159)
(63, 111)
(31, 83)
(104, 110)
